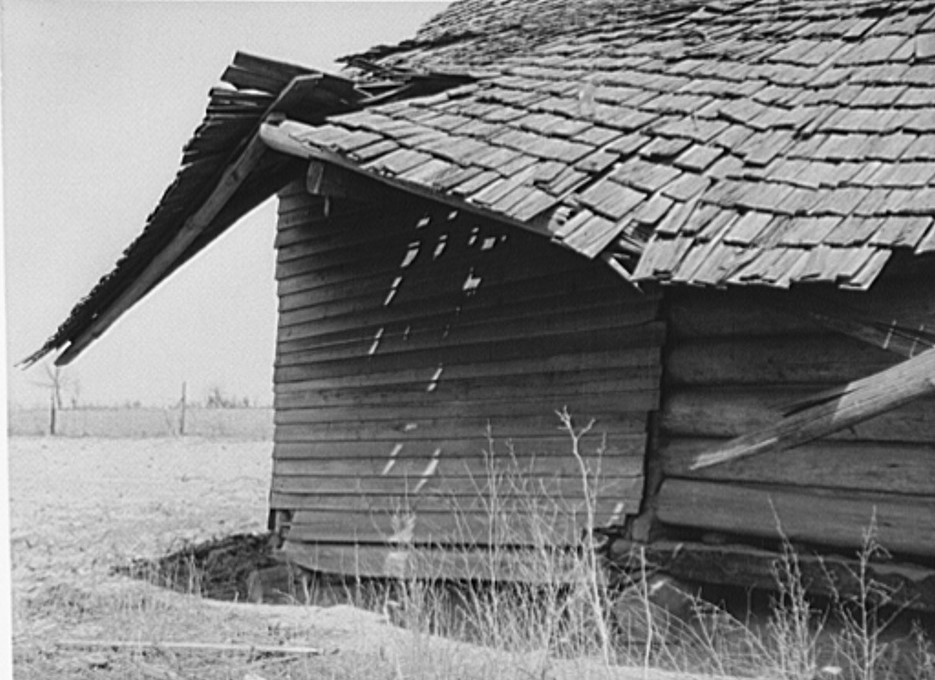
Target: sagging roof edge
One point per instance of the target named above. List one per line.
(166, 244)
(281, 136)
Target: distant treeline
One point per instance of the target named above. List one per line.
(144, 421)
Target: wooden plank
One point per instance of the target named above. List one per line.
(545, 346)
(376, 281)
(291, 380)
(590, 329)
(399, 302)
(307, 289)
(213, 648)
(582, 406)
(442, 314)
(553, 384)
(401, 431)
(423, 493)
(321, 284)
(715, 315)
(324, 179)
(321, 225)
(452, 462)
(279, 70)
(339, 237)
(525, 565)
(735, 411)
(294, 188)
(854, 403)
(893, 299)
(828, 358)
(894, 468)
(905, 524)
(911, 585)
(280, 139)
(471, 454)
(556, 524)
(312, 274)
(328, 224)
(451, 240)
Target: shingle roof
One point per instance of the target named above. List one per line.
(768, 142)
(252, 89)
(702, 141)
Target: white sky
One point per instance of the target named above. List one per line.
(98, 99)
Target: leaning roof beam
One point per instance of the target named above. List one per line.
(300, 89)
(232, 178)
(856, 402)
(226, 170)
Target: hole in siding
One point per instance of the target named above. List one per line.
(440, 246)
(406, 332)
(489, 243)
(453, 215)
(425, 221)
(475, 234)
(433, 383)
(394, 288)
(616, 514)
(392, 461)
(471, 283)
(411, 254)
(429, 470)
(446, 331)
(376, 342)
(409, 427)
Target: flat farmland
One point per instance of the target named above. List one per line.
(82, 506)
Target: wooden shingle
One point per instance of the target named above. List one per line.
(853, 231)
(747, 227)
(610, 198)
(647, 177)
(697, 158)
(897, 232)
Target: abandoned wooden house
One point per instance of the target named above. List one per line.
(706, 225)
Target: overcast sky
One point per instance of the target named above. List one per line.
(98, 100)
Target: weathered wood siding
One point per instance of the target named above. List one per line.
(734, 365)
(405, 333)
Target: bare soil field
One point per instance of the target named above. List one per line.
(81, 507)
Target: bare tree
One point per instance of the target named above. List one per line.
(58, 383)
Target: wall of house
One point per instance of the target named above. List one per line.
(734, 365)
(405, 333)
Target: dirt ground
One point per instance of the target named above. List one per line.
(81, 507)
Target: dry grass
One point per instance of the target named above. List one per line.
(82, 506)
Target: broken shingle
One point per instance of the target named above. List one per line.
(610, 198)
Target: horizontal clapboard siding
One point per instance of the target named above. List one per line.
(736, 365)
(421, 360)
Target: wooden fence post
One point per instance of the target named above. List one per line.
(184, 405)
(52, 415)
